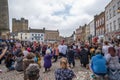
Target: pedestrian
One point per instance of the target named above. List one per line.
(98, 65)
(117, 48)
(44, 48)
(3, 52)
(25, 52)
(32, 72)
(84, 57)
(71, 56)
(55, 52)
(92, 51)
(113, 64)
(105, 48)
(9, 62)
(19, 62)
(64, 73)
(62, 49)
(37, 58)
(47, 61)
(28, 60)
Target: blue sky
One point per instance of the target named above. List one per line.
(65, 15)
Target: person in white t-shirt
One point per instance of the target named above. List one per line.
(62, 49)
(25, 52)
(105, 48)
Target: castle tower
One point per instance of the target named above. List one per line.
(4, 18)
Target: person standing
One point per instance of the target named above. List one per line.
(47, 60)
(105, 48)
(62, 49)
(55, 52)
(71, 56)
(84, 57)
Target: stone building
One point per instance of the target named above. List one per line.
(100, 24)
(87, 32)
(19, 25)
(4, 18)
(51, 35)
(78, 33)
(81, 33)
(112, 19)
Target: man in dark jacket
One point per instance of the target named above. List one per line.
(71, 56)
(84, 56)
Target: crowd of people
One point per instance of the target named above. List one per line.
(103, 59)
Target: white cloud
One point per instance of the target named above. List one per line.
(44, 13)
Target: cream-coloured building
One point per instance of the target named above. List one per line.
(92, 28)
(112, 19)
(31, 35)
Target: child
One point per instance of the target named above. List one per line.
(47, 60)
(9, 62)
(37, 59)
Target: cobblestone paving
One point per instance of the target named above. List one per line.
(81, 73)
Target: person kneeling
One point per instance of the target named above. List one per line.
(98, 66)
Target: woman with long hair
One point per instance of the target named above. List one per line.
(64, 73)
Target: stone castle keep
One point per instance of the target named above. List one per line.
(4, 18)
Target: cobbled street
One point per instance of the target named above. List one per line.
(81, 73)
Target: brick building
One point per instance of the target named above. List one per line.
(100, 24)
(19, 25)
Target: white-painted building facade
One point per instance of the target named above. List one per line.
(32, 35)
(112, 19)
(92, 28)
